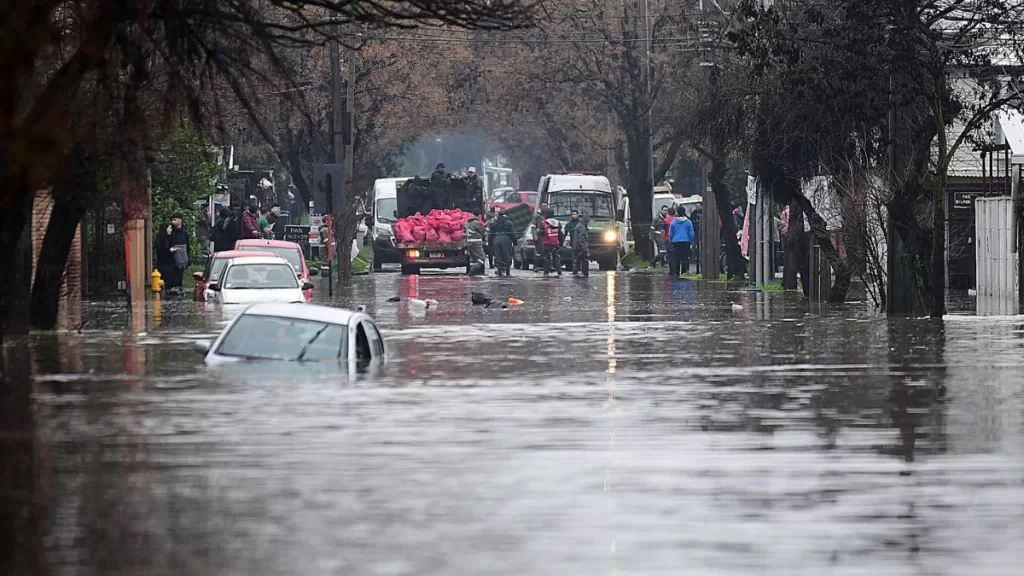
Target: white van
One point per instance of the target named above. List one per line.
(592, 196)
(385, 208)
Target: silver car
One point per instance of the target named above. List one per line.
(298, 333)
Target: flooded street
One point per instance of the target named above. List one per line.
(623, 424)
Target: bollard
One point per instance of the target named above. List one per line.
(156, 282)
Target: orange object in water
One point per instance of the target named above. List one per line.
(514, 301)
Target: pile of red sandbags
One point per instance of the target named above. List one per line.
(437, 226)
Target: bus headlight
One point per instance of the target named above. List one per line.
(611, 235)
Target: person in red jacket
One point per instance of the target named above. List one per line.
(551, 241)
(250, 224)
(669, 217)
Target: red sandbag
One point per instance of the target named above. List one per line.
(419, 234)
(403, 231)
(457, 236)
(432, 235)
(443, 237)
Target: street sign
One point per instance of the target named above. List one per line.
(963, 200)
(297, 234)
(316, 222)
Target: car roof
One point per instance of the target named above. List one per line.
(304, 312)
(263, 260)
(270, 243)
(242, 254)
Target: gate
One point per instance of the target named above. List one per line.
(994, 252)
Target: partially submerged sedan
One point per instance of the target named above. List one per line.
(264, 279)
(298, 333)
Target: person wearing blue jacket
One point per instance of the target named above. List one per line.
(680, 234)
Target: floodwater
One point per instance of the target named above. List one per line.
(619, 425)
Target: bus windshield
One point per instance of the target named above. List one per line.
(592, 203)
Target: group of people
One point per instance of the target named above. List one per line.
(675, 232)
(249, 222)
(172, 242)
(495, 239)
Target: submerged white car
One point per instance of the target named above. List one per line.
(264, 279)
(298, 333)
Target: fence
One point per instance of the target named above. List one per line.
(997, 271)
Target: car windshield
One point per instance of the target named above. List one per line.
(589, 203)
(288, 253)
(260, 277)
(273, 338)
(386, 208)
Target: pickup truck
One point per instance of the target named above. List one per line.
(419, 196)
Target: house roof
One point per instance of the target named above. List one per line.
(1011, 124)
(1009, 129)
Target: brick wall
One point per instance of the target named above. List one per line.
(71, 289)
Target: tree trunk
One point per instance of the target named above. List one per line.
(51, 262)
(16, 238)
(641, 190)
(938, 261)
(734, 256)
(840, 288)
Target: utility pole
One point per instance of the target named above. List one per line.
(646, 71)
(337, 150)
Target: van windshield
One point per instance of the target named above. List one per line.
(386, 208)
(593, 203)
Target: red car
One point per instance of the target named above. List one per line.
(506, 199)
(290, 251)
(215, 266)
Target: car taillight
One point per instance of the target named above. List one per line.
(414, 253)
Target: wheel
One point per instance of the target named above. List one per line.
(606, 263)
(410, 269)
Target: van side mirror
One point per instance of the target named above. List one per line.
(214, 287)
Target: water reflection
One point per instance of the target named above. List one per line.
(622, 423)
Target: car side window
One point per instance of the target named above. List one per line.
(376, 342)
(363, 353)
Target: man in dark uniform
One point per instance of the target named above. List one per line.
(502, 235)
(579, 241)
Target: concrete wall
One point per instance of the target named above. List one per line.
(71, 290)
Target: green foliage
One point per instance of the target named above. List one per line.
(634, 260)
(183, 173)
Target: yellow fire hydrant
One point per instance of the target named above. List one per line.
(156, 284)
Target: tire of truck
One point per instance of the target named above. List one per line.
(517, 264)
(410, 269)
(608, 262)
(377, 265)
